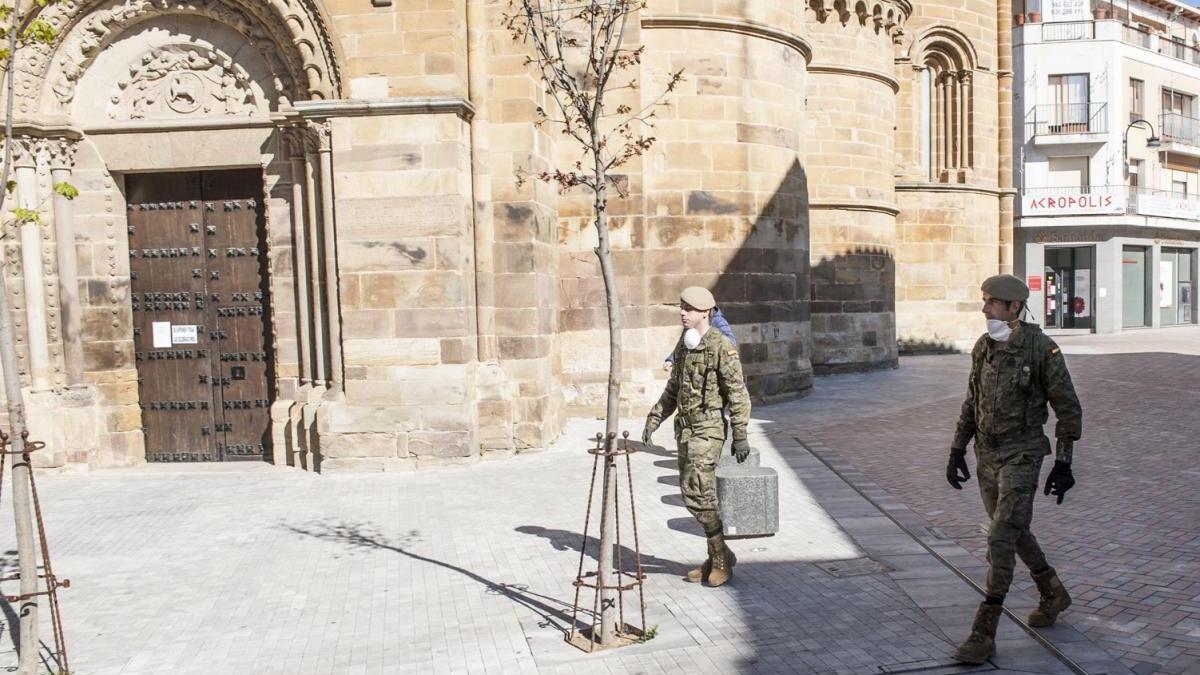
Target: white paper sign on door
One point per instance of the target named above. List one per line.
(162, 334)
(1166, 283)
(183, 335)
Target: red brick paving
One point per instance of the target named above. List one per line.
(1126, 541)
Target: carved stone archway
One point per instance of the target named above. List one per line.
(291, 35)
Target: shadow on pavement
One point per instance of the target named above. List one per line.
(554, 613)
(11, 622)
(563, 540)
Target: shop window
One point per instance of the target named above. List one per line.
(1134, 286)
(1176, 286)
(1069, 292)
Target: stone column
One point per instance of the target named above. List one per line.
(62, 159)
(300, 252)
(947, 125)
(31, 264)
(333, 305)
(313, 226)
(1004, 124)
(964, 122)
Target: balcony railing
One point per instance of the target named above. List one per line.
(1138, 37)
(1068, 30)
(1109, 200)
(1167, 45)
(1179, 128)
(1067, 118)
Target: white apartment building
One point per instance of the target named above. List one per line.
(1107, 162)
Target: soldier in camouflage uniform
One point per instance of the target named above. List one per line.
(706, 376)
(1016, 369)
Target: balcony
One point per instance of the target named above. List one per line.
(1168, 45)
(1110, 200)
(1067, 123)
(1180, 134)
(1061, 31)
(1164, 204)
(1138, 37)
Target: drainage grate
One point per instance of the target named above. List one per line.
(855, 567)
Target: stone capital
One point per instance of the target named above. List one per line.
(59, 153)
(25, 150)
(318, 136)
(295, 141)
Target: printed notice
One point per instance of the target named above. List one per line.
(162, 334)
(183, 335)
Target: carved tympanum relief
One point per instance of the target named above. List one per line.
(184, 80)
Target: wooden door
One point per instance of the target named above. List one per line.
(200, 307)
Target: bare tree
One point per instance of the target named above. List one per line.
(581, 59)
(19, 32)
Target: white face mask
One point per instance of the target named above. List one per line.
(691, 338)
(998, 330)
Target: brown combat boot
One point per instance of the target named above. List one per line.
(981, 643)
(1053, 601)
(700, 573)
(722, 559)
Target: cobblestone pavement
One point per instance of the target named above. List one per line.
(1127, 538)
(255, 569)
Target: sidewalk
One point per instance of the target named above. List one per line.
(254, 569)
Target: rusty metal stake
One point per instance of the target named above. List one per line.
(606, 449)
(53, 583)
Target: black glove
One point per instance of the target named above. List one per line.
(1059, 481)
(648, 431)
(741, 449)
(956, 469)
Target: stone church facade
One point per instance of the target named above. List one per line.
(299, 234)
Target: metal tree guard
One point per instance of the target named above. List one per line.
(53, 583)
(610, 448)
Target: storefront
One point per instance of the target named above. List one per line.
(1108, 278)
(1068, 274)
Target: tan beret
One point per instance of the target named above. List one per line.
(698, 297)
(1006, 287)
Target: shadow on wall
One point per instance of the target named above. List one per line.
(854, 311)
(925, 347)
(764, 289)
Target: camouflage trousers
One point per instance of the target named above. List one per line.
(1008, 483)
(699, 451)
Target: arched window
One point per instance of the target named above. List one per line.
(945, 62)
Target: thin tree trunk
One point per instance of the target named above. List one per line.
(26, 551)
(608, 601)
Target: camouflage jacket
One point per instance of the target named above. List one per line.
(1008, 390)
(703, 381)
